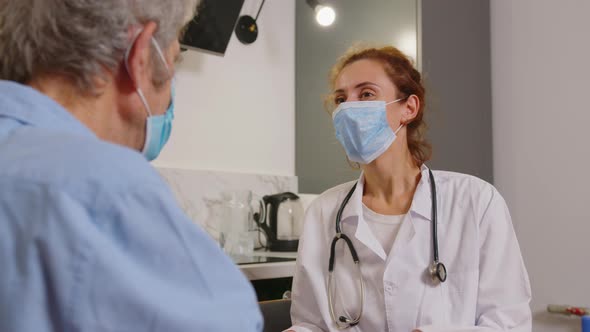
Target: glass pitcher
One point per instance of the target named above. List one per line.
(238, 230)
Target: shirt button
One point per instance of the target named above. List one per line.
(391, 288)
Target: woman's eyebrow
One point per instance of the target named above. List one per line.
(360, 85)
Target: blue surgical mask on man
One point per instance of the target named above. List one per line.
(363, 130)
(158, 127)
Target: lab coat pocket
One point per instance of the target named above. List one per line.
(461, 297)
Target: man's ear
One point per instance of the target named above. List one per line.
(138, 57)
(411, 109)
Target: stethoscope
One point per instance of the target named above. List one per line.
(437, 270)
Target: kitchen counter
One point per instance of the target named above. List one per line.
(267, 265)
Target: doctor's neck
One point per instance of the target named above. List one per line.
(392, 174)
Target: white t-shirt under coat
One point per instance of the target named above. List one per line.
(384, 227)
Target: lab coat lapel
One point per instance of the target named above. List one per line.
(420, 206)
(363, 233)
(422, 202)
(366, 237)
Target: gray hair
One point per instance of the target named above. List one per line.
(81, 38)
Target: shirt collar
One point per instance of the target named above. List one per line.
(354, 209)
(421, 205)
(32, 107)
(422, 202)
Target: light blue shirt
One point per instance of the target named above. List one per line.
(91, 238)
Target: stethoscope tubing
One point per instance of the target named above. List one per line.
(436, 269)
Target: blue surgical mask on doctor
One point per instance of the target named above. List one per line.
(363, 130)
(158, 127)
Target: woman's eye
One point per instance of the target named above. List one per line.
(339, 100)
(367, 95)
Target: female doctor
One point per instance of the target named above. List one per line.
(403, 249)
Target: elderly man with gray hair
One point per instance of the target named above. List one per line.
(91, 238)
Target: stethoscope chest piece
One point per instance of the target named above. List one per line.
(438, 271)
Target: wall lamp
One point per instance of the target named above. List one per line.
(324, 15)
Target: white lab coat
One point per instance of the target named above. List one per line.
(487, 288)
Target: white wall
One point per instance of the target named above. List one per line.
(237, 113)
(541, 122)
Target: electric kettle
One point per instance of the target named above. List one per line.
(281, 220)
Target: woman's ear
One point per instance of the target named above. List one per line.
(411, 108)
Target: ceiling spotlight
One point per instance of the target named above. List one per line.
(324, 15)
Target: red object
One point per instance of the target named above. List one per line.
(577, 311)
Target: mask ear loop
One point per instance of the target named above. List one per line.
(163, 58)
(133, 40)
(395, 101)
(160, 54)
(401, 124)
(137, 89)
